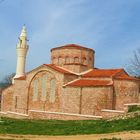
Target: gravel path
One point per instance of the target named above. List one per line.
(131, 135)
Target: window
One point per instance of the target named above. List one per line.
(67, 60)
(52, 90)
(55, 60)
(76, 60)
(44, 88)
(35, 90)
(59, 60)
(84, 60)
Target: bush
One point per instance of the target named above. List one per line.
(134, 108)
(111, 138)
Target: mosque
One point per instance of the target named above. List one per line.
(69, 88)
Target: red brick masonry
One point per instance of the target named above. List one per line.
(81, 91)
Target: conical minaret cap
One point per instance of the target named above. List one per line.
(23, 32)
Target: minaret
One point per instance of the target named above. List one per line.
(22, 49)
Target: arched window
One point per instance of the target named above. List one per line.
(84, 61)
(71, 60)
(44, 88)
(76, 60)
(67, 60)
(59, 59)
(35, 90)
(52, 90)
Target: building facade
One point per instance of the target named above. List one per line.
(69, 88)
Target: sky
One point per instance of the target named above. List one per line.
(110, 27)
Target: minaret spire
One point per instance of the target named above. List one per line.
(23, 32)
(22, 49)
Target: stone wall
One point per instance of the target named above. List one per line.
(125, 91)
(18, 97)
(87, 100)
(94, 99)
(34, 114)
(19, 101)
(45, 104)
(107, 114)
(74, 100)
(16, 115)
(71, 100)
(69, 78)
(7, 99)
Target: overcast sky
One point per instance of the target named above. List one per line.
(110, 27)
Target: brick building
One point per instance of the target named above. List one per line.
(69, 88)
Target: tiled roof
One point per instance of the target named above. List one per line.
(102, 72)
(115, 73)
(90, 83)
(59, 69)
(20, 78)
(125, 77)
(71, 46)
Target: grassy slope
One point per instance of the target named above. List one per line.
(55, 127)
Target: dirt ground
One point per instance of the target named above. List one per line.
(131, 135)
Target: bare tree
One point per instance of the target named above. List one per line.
(133, 67)
(7, 81)
(8, 78)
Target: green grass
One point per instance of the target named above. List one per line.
(57, 127)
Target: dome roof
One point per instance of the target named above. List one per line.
(72, 46)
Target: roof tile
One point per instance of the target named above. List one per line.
(102, 72)
(20, 78)
(59, 69)
(90, 83)
(125, 77)
(71, 46)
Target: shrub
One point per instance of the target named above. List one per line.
(134, 108)
(111, 138)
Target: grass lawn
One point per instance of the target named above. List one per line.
(57, 127)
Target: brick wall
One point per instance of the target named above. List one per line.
(96, 98)
(87, 100)
(70, 100)
(33, 114)
(106, 114)
(76, 60)
(18, 98)
(69, 78)
(40, 104)
(125, 91)
(7, 98)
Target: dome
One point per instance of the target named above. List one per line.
(73, 57)
(71, 46)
